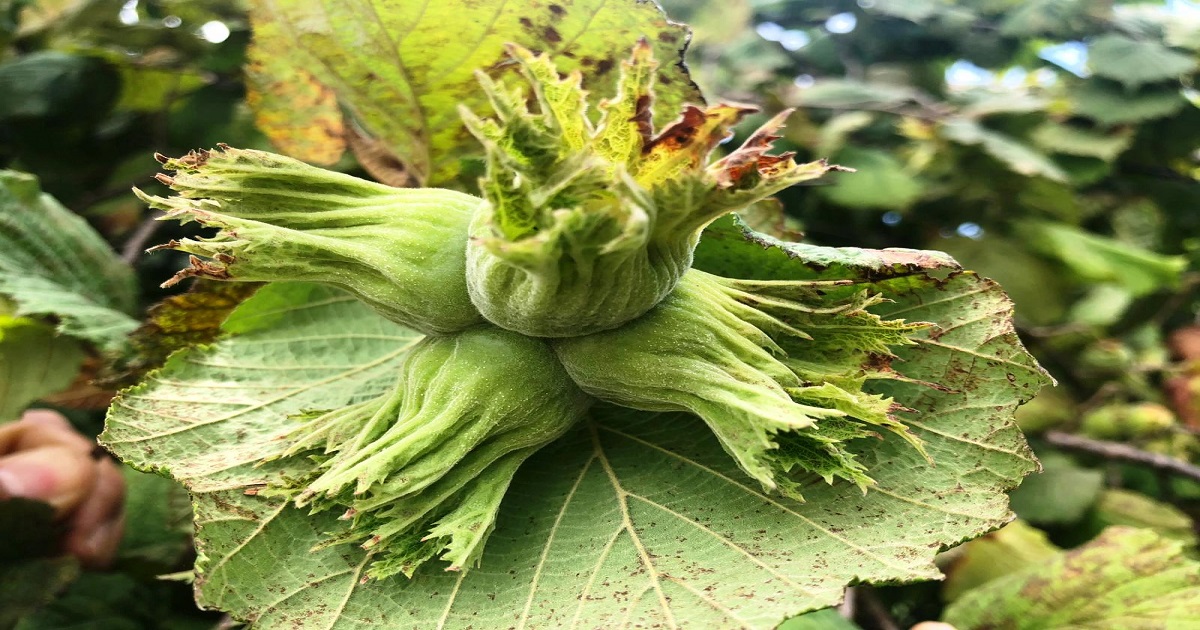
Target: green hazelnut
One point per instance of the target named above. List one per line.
(400, 250)
(775, 369)
(586, 227)
(421, 469)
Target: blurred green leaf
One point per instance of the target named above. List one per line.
(1109, 105)
(53, 264)
(849, 94)
(837, 130)
(27, 586)
(1062, 18)
(158, 525)
(1056, 137)
(1036, 286)
(880, 181)
(1009, 549)
(911, 10)
(1019, 157)
(1134, 63)
(1061, 494)
(111, 601)
(53, 84)
(1126, 578)
(1133, 509)
(34, 361)
(1098, 259)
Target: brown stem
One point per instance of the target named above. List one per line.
(873, 610)
(1122, 452)
(136, 245)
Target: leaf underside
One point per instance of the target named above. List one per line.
(633, 520)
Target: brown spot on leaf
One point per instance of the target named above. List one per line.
(911, 258)
(642, 116)
(526, 22)
(551, 35)
(680, 133)
(604, 66)
(557, 10)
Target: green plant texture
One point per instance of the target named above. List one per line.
(848, 392)
(567, 314)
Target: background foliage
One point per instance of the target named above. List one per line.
(1048, 144)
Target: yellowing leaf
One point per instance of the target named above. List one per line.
(296, 111)
(1126, 578)
(401, 70)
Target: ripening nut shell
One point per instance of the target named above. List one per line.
(586, 227)
(420, 471)
(400, 250)
(776, 370)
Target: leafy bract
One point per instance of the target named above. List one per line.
(52, 264)
(402, 73)
(635, 519)
(1126, 578)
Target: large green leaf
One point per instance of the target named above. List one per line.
(403, 68)
(633, 520)
(1126, 578)
(53, 264)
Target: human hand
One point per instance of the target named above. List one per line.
(42, 457)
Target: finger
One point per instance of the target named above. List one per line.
(46, 418)
(41, 428)
(96, 527)
(58, 475)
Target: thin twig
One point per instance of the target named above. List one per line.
(136, 245)
(874, 610)
(1122, 452)
(848, 608)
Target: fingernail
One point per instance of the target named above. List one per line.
(10, 485)
(19, 480)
